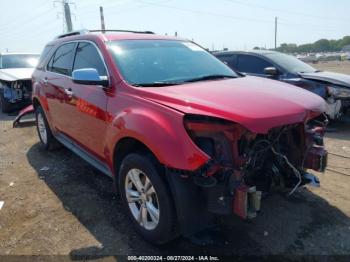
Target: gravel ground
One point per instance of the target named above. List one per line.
(56, 204)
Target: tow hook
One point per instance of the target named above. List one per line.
(247, 202)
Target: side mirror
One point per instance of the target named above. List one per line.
(271, 71)
(88, 76)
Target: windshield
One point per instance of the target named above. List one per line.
(291, 63)
(19, 61)
(165, 62)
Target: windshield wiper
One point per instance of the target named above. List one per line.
(156, 84)
(303, 72)
(208, 77)
(197, 79)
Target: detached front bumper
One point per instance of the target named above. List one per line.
(26, 111)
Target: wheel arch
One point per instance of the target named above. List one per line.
(125, 146)
(158, 130)
(37, 101)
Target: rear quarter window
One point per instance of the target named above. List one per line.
(43, 56)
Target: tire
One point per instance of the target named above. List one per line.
(156, 200)
(47, 140)
(6, 107)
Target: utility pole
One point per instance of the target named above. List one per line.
(66, 15)
(276, 32)
(103, 27)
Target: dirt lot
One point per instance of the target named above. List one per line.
(55, 203)
(338, 66)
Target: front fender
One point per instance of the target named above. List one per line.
(158, 127)
(315, 87)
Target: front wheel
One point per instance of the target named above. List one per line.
(146, 198)
(48, 141)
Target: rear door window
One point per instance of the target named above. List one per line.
(87, 56)
(252, 64)
(62, 60)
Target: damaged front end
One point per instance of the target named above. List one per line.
(245, 166)
(338, 101)
(16, 94)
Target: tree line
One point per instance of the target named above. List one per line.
(322, 45)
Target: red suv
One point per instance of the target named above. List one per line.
(183, 136)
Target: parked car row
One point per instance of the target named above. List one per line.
(183, 136)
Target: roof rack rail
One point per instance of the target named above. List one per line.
(78, 32)
(122, 31)
(86, 31)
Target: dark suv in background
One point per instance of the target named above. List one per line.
(333, 87)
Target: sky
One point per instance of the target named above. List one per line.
(27, 25)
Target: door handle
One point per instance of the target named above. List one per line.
(68, 92)
(45, 81)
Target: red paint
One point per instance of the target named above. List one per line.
(316, 159)
(25, 111)
(240, 202)
(256, 103)
(98, 118)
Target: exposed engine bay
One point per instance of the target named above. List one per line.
(338, 101)
(335, 90)
(245, 166)
(16, 93)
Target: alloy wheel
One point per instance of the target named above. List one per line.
(42, 128)
(142, 199)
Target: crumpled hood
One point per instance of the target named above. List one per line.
(14, 74)
(256, 103)
(330, 77)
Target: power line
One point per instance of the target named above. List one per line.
(228, 16)
(19, 22)
(20, 29)
(288, 11)
(205, 12)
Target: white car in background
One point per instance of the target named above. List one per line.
(15, 80)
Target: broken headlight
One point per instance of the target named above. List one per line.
(338, 92)
(216, 137)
